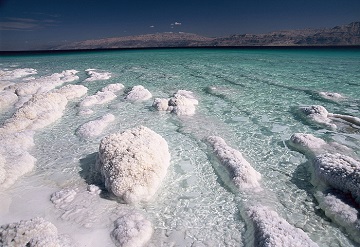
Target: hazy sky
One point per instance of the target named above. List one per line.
(37, 24)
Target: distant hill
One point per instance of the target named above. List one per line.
(346, 35)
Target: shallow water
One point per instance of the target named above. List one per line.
(247, 97)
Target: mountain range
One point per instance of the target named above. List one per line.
(345, 35)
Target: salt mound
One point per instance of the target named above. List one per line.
(16, 73)
(306, 143)
(98, 99)
(340, 212)
(242, 174)
(132, 229)
(34, 232)
(138, 93)
(133, 163)
(72, 91)
(113, 87)
(331, 96)
(340, 172)
(96, 76)
(43, 84)
(350, 119)
(318, 114)
(272, 230)
(95, 127)
(182, 103)
(40, 111)
(7, 98)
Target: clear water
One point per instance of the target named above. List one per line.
(252, 108)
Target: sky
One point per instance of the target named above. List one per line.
(42, 24)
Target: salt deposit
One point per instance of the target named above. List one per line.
(97, 99)
(350, 119)
(340, 172)
(113, 87)
(243, 175)
(318, 114)
(306, 143)
(133, 163)
(95, 127)
(331, 96)
(182, 103)
(138, 93)
(34, 232)
(132, 229)
(97, 75)
(16, 73)
(72, 91)
(7, 98)
(40, 111)
(269, 229)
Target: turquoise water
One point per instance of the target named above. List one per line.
(247, 97)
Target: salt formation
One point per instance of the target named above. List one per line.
(133, 163)
(341, 212)
(138, 93)
(72, 91)
(132, 229)
(331, 96)
(271, 230)
(115, 87)
(98, 99)
(40, 111)
(243, 175)
(318, 114)
(16, 73)
(43, 84)
(182, 103)
(340, 172)
(7, 98)
(95, 127)
(332, 171)
(35, 232)
(96, 76)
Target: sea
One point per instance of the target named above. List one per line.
(248, 97)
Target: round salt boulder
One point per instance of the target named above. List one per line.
(133, 163)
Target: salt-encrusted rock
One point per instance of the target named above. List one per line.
(97, 75)
(113, 87)
(138, 93)
(71, 91)
(35, 232)
(133, 163)
(270, 230)
(306, 143)
(132, 229)
(40, 111)
(241, 173)
(341, 212)
(317, 114)
(98, 99)
(95, 127)
(16, 73)
(340, 172)
(347, 118)
(182, 103)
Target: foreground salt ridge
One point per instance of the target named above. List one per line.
(243, 175)
(133, 163)
(95, 127)
(138, 93)
(132, 229)
(95, 75)
(265, 226)
(35, 232)
(181, 103)
(332, 170)
(319, 115)
(270, 230)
